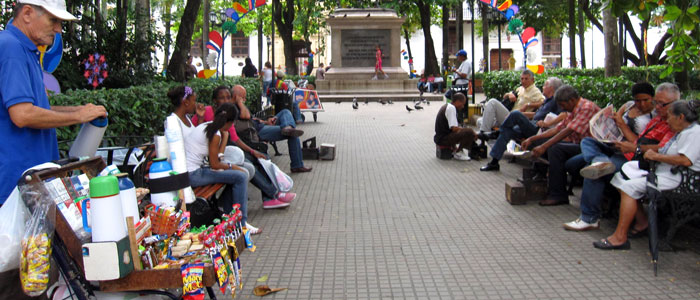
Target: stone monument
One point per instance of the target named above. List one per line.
(354, 34)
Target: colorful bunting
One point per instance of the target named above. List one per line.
(531, 43)
(215, 37)
(206, 74)
(95, 69)
(505, 5)
(527, 34)
(50, 58)
(259, 3)
(537, 69)
(239, 8)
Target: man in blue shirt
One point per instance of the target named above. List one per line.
(27, 120)
(521, 125)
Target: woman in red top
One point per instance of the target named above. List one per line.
(378, 65)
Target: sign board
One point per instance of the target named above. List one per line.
(308, 100)
(358, 46)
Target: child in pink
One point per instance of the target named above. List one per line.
(378, 65)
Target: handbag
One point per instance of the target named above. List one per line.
(282, 181)
(638, 154)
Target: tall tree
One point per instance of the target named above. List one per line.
(484, 12)
(445, 35)
(142, 16)
(572, 34)
(284, 20)
(183, 42)
(581, 32)
(424, 8)
(612, 46)
(460, 25)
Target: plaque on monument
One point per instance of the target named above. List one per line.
(357, 49)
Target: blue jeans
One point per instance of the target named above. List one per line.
(516, 126)
(236, 180)
(273, 133)
(593, 189)
(266, 85)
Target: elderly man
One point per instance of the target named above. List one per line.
(281, 127)
(605, 161)
(27, 120)
(521, 125)
(525, 98)
(574, 128)
(448, 132)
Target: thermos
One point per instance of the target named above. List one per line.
(106, 215)
(89, 138)
(161, 168)
(127, 194)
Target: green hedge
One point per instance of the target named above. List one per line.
(141, 110)
(590, 83)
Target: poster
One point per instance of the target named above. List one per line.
(308, 100)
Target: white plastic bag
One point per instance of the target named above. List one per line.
(13, 216)
(281, 180)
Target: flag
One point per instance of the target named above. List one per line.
(239, 8)
(505, 5)
(250, 5)
(259, 3)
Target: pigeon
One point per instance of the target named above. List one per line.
(418, 107)
(345, 15)
(408, 108)
(427, 102)
(368, 15)
(390, 102)
(354, 105)
(382, 102)
(337, 102)
(366, 101)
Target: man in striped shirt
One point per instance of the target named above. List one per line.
(562, 142)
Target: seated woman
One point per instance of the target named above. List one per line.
(631, 181)
(270, 196)
(208, 140)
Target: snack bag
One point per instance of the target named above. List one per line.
(221, 272)
(35, 252)
(192, 281)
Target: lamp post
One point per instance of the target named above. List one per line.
(269, 42)
(218, 19)
(496, 17)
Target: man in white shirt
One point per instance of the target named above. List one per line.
(526, 98)
(462, 75)
(447, 130)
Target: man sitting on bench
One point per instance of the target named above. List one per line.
(447, 130)
(526, 98)
(281, 127)
(522, 125)
(562, 142)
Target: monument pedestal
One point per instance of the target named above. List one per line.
(355, 33)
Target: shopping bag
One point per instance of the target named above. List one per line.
(13, 216)
(35, 247)
(281, 180)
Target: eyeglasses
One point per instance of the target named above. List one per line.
(656, 103)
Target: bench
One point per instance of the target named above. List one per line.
(682, 203)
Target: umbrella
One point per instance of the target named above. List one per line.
(653, 195)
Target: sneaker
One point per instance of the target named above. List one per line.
(386, 76)
(374, 77)
(274, 203)
(580, 225)
(253, 230)
(597, 170)
(286, 197)
(462, 155)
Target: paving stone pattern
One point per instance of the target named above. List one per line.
(388, 220)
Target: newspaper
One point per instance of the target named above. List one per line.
(603, 127)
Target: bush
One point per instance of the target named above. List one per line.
(141, 110)
(590, 83)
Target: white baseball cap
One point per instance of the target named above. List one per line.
(54, 7)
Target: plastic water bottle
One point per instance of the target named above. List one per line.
(127, 193)
(89, 138)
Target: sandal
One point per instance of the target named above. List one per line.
(604, 244)
(635, 233)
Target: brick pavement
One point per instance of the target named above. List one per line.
(387, 219)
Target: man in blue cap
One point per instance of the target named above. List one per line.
(27, 120)
(462, 74)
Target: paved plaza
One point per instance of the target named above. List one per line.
(388, 220)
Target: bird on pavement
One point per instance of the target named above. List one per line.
(337, 102)
(408, 108)
(354, 103)
(366, 101)
(427, 102)
(368, 15)
(390, 102)
(418, 107)
(382, 101)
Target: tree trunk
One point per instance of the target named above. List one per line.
(431, 65)
(407, 36)
(445, 36)
(122, 9)
(205, 33)
(167, 19)
(572, 34)
(177, 65)
(260, 44)
(612, 45)
(460, 25)
(141, 31)
(485, 37)
(581, 32)
(284, 19)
